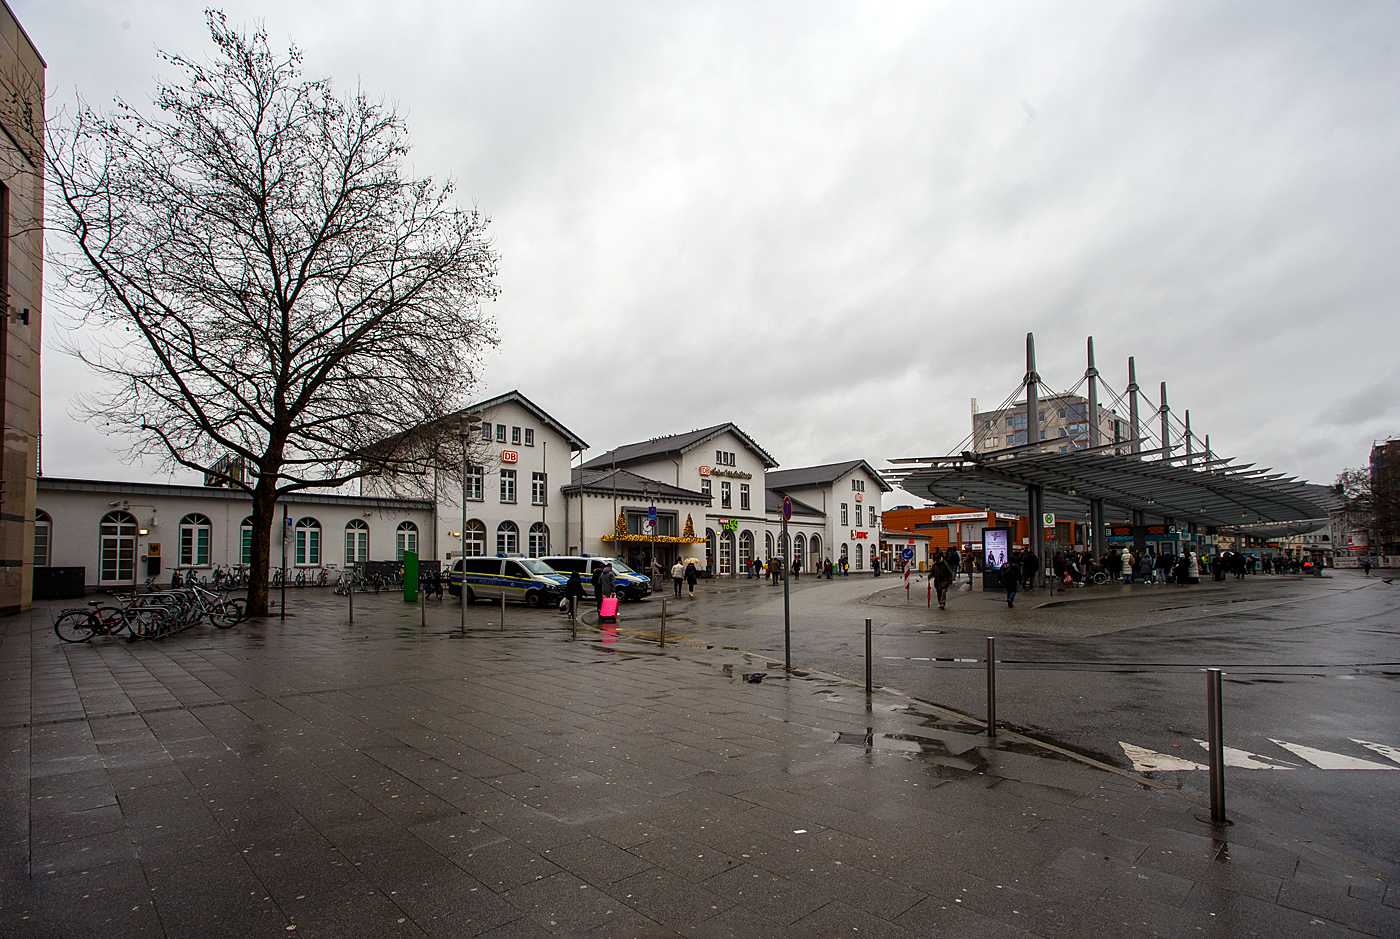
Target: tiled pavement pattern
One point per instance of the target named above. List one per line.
(387, 781)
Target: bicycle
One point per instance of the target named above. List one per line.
(80, 625)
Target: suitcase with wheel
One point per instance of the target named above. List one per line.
(608, 611)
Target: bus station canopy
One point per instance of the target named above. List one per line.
(1185, 489)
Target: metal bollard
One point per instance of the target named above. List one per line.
(1215, 734)
(868, 685)
(423, 607)
(663, 622)
(503, 611)
(573, 617)
(991, 686)
(352, 602)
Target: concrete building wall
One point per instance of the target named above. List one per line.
(21, 267)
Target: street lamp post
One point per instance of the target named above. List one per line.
(464, 430)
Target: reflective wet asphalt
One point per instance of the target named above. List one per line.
(389, 778)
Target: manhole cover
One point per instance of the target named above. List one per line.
(859, 740)
(931, 632)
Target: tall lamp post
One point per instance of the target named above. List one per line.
(467, 423)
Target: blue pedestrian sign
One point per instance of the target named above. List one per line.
(907, 553)
(787, 509)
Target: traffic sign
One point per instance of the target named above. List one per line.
(787, 509)
(907, 554)
(1049, 519)
(651, 513)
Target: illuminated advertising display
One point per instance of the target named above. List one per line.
(996, 542)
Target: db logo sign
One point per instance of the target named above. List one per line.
(510, 456)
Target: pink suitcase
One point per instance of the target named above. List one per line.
(609, 610)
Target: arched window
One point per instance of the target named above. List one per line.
(799, 549)
(245, 533)
(356, 541)
(476, 538)
(308, 543)
(726, 553)
(507, 538)
(405, 539)
(710, 550)
(194, 541)
(745, 548)
(43, 538)
(860, 557)
(845, 551)
(539, 540)
(783, 545)
(117, 548)
(767, 545)
(814, 548)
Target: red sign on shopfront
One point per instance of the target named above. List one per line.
(510, 456)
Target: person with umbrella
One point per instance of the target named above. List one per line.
(691, 576)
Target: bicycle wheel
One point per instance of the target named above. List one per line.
(227, 614)
(74, 626)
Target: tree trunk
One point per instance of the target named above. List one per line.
(264, 507)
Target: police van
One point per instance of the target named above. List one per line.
(528, 580)
(630, 584)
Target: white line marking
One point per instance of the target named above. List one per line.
(1147, 761)
(1243, 759)
(1323, 759)
(1389, 753)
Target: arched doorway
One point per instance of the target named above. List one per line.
(710, 550)
(356, 541)
(405, 539)
(539, 540)
(476, 538)
(745, 549)
(507, 538)
(767, 545)
(799, 549)
(726, 554)
(117, 548)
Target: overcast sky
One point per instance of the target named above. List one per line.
(833, 224)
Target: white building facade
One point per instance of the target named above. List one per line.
(845, 498)
(123, 533)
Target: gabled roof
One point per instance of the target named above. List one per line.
(676, 443)
(819, 475)
(773, 503)
(575, 441)
(600, 482)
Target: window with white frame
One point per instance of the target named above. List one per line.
(43, 538)
(476, 483)
(539, 540)
(245, 541)
(845, 516)
(486, 430)
(476, 538)
(859, 523)
(405, 539)
(744, 496)
(507, 538)
(507, 485)
(194, 541)
(537, 490)
(705, 486)
(308, 543)
(529, 436)
(356, 541)
(725, 498)
(500, 433)
(515, 436)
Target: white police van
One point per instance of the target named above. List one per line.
(528, 580)
(630, 584)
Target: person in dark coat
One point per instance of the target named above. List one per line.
(943, 577)
(573, 592)
(1011, 579)
(690, 578)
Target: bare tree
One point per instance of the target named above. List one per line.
(284, 292)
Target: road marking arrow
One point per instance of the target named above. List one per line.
(1387, 752)
(1243, 759)
(1323, 759)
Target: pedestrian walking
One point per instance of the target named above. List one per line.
(943, 577)
(1010, 579)
(826, 569)
(677, 575)
(796, 568)
(573, 592)
(608, 576)
(690, 578)
(598, 589)
(1366, 566)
